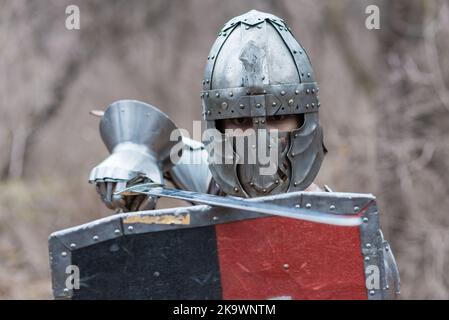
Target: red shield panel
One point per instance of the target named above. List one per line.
(281, 258)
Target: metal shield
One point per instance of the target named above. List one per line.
(203, 252)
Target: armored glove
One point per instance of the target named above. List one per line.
(106, 189)
(138, 137)
(128, 165)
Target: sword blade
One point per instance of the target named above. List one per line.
(242, 204)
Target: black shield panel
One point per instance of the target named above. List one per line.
(174, 264)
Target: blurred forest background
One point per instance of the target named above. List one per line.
(384, 97)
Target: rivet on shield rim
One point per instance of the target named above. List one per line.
(72, 245)
(372, 292)
(332, 207)
(95, 238)
(367, 258)
(286, 266)
(117, 231)
(356, 209)
(236, 189)
(308, 206)
(215, 218)
(130, 228)
(64, 254)
(365, 219)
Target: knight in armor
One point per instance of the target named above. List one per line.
(257, 76)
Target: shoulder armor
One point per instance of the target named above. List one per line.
(192, 171)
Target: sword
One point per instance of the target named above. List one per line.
(158, 190)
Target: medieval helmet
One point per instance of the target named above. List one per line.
(256, 69)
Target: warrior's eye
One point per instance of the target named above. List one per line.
(278, 117)
(287, 122)
(235, 123)
(240, 121)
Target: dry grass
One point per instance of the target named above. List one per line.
(29, 212)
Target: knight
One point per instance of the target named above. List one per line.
(257, 76)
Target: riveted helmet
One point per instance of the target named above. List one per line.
(256, 69)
